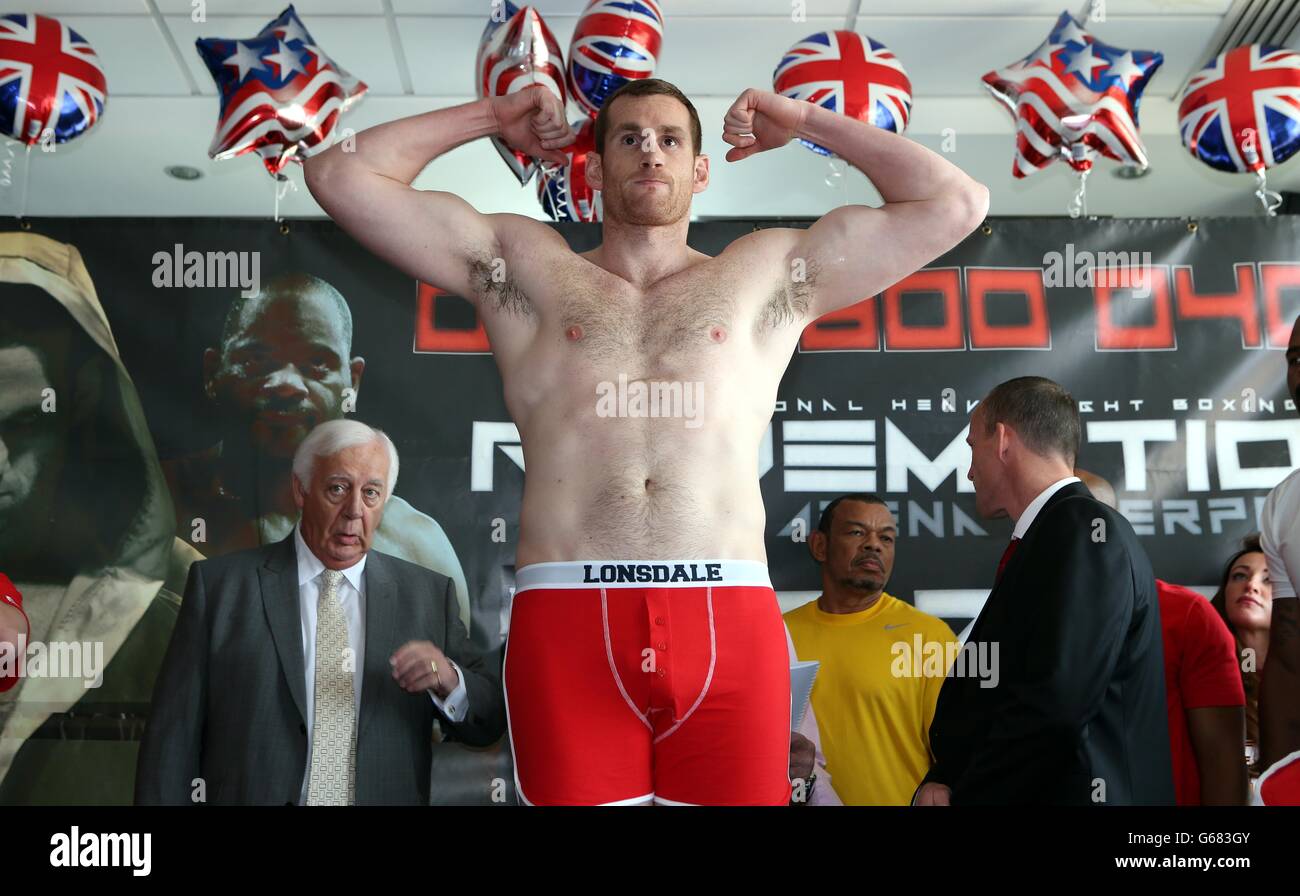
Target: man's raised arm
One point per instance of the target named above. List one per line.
(856, 251)
(365, 184)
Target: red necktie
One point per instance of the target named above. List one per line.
(1006, 556)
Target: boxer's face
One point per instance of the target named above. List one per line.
(648, 170)
(31, 444)
(1248, 595)
(342, 507)
(284, 372)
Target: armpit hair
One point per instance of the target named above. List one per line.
(504, 294)
(790, 300)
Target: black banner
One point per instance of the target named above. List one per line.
(1168, 332)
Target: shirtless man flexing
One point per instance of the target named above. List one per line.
(647, 658)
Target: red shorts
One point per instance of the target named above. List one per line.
(1280, 784)
(627, 682)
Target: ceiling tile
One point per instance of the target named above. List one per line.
(268, 9)
(758, 45)
(1109, 9)
(64, 8)
(440, 52)
(970, 47)
(136, 59)
(671, 8)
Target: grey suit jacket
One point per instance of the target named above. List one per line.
(228, 705)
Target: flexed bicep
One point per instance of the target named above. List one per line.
(856, 251)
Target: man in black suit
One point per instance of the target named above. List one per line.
(1077, 714)
(310, 671)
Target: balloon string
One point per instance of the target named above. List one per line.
(281, 188)
(1079, 204)
(27, 165)
(1270, 199)
(835, 178)
(851, 17)
(7, 167)
(8, 175)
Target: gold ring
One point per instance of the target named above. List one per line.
(433, 664)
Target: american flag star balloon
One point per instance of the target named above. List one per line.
(845, 72)
(564, 192)
(52, 86)
(615, 41)
(517, 50)
(281, 95)
(1242, 111)
(1072, 97)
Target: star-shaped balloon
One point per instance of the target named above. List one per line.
(516, 51)
(281, 96)
(1073, 97)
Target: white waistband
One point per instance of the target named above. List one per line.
(642, 574)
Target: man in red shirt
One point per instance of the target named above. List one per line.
(13, 623)
(1203, 693)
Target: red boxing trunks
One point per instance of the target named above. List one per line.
(1280, 785)
(628, 682)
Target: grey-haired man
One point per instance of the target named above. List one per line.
(310, 671)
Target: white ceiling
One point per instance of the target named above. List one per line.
(418, 55)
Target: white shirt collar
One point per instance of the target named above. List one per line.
(1027, 518)
(309, 565)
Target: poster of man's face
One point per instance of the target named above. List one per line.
(67, 481)
(283, 364)
(31, 445)
(280, 365)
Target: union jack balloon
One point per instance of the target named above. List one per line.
(517, 50)
(52, 87)
(1242, 111)
(1073, 97)
(281, 95)
(848, 73)
(564, 192)
(615, 41)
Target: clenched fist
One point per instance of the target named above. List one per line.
(532, 121)
(760, 120)
(413, 664)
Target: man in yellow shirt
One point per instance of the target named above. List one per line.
(882, 660)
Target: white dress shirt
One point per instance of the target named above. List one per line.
(352, 597)
(1027, 518)
(1279, 536)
